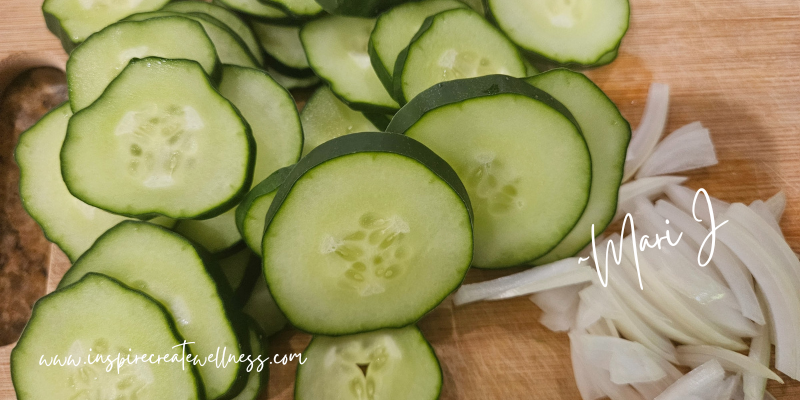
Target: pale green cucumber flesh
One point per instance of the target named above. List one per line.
(66, 221)
(75, 20)
(453, 44)
(94, 64)
(231, 49)
(160, 140)
(167, 267)
(97, 316)
(520, 154)
(273, 118)
(402, 224)
(394, 31)
(258, 375)
(262, 308)
(297, 8)
(337, 50)
(282, 44)
(252, 211)
(607, 134)
(224, 15)
(325, 117)
(256, 9)
(567, 32)
(389, 364)
(234, 267)
(291, 82)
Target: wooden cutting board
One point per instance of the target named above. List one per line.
(732, 64)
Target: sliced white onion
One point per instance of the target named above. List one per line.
(645, 137)
(735, 273)
(559, 307)
(581, 371)
(694, 355)
(550, 276)
(778, 290)
(627, 362)
(683, 198)
(675, 306)
(777, 204)
(628, 323)
(760, 208)
(689, 147)
(728, 387)
(760, 348)
(699, 382)
(649, 188)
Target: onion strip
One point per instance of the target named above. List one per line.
(646, 136)
(689, 147)
(693, 356)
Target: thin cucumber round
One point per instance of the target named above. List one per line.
(297, 8)
(567, 32)
(519, 152)
(73, 21)
(397, 364)
(96, 62)
(282, 45)
(167, 267)
(224, 15)
(381, 121)
(325, 117)
(258, 376)
(231, 49)
(291, 82)
(336, 48)
(357, 8)
(257, 9)
(395, 29)
(402, 225)
(160, 140)
(66, 221)
(235, 267)
(262, 308)
(271, 112)
(453, 44)
(607, 134)
(252, 211)
(100, 317)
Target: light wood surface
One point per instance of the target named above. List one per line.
(732, 64)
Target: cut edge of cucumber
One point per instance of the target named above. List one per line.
(265, 187)
(371, 142)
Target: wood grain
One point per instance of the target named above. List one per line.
(732, 64)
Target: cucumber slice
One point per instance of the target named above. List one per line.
(453, 44)
(395, 364)
(262, 308)
(337, 51)
(325, 117)
(520, 154)
(290, 82)
(66, 221)
(297, 8)
(607, 134)
(99, 60)
(259, 374)
(402, 225)
(283, 47)
(394, 31)
(256, 9)
(358, 8)
(252, 211)
(231, 49)
(476, 5)
(98, 316)
(234, 268)
(564, 31)
(73, 21)
(167, 267)
(227, 17)
(160, 140)
(381, 121)
(273, 117)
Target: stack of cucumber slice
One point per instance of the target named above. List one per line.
(259, 215)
